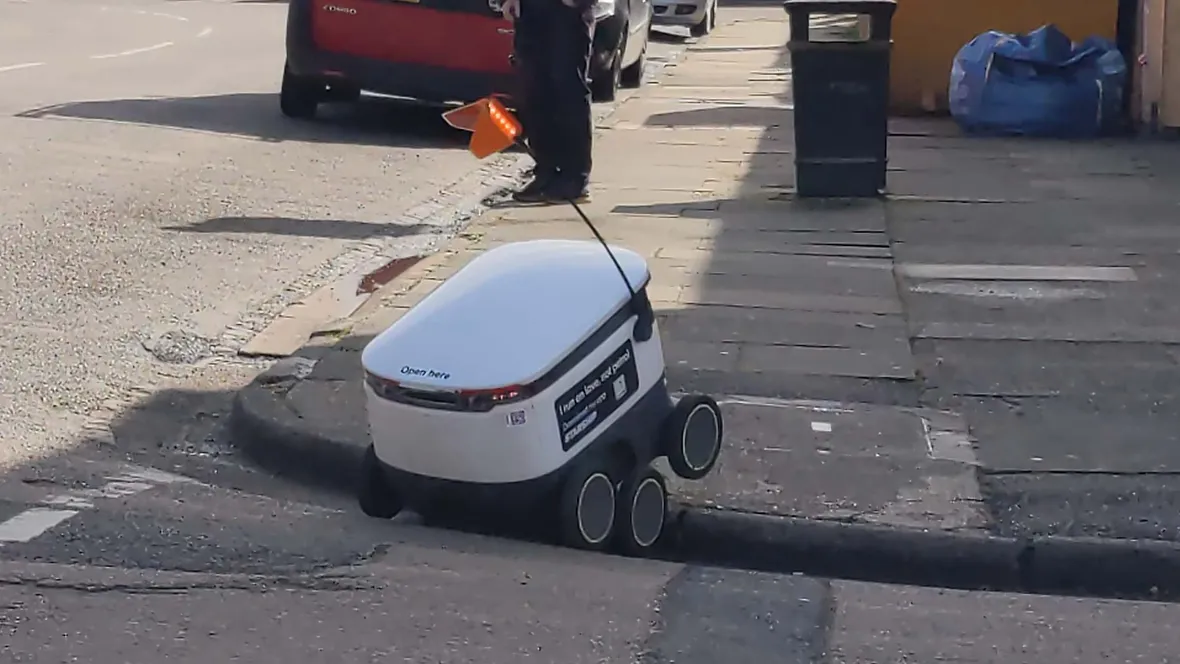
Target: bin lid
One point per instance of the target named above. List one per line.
(507, 317)
(841, 6)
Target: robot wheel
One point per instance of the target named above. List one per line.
(691, 438)
(599, 514)
(587, 516)
(642, 512)
(377, 497)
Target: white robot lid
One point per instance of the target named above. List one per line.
(507, 317)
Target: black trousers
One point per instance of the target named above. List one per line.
(552, 43)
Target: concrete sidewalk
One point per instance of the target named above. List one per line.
(788, 312)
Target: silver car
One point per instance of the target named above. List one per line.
(700, 16)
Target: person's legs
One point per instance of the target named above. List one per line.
(573, 117)
(532, 40)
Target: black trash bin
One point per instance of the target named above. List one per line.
(841, 92)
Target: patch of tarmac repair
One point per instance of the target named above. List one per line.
(179, 347)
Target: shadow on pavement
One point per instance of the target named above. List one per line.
(323, 228)
(661, 34)
(735, 116)
(257, 115)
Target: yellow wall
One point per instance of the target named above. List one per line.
(928, 33)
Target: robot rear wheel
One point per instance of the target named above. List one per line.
(691, 437)
(587, 507)
(642, 508)
(377, 496)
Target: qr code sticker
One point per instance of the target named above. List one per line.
(516, 418)
(620, 388)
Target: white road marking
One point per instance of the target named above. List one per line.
(174, 17)
(204, 33)
(928, 436)
(134, 51)
(35, 521)
(821, 427)
(1016, 272)
(23, 65)
(31, 523)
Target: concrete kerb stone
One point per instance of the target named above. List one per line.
(278, 438)
(1131, 569)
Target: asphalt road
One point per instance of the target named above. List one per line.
(151, 186)
(112, 562)
(156, 201)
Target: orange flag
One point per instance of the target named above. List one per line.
(493, 128)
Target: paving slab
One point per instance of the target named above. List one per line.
(835, 461)
(827, 280)
(803, 328)
(876, 362)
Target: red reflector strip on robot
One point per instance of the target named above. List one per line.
(498, 395)
(487, 399)
(382, 386)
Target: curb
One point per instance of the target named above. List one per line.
(1094, 567)
(279, 440)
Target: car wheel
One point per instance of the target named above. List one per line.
(632, 76)
(713, 18)
(299, 96)
(706, 25)
(605, 84)
(342, 93)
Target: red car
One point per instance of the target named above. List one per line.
(439, 51)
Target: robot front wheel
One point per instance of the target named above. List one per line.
(599, 514)
(691, 436)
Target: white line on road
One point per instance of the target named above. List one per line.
(31, 523)
(204, 33)
(35, 521)
(821, 427)
(174, 17)
(23, 65)
(134, 51)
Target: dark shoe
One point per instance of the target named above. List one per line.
(534, 191)
(564, 191)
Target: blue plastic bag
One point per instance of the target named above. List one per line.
(1039, 84)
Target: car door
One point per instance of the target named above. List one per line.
(639, 26)
(466, 35)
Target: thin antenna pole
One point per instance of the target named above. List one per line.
(577, 208)
(602, 241)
